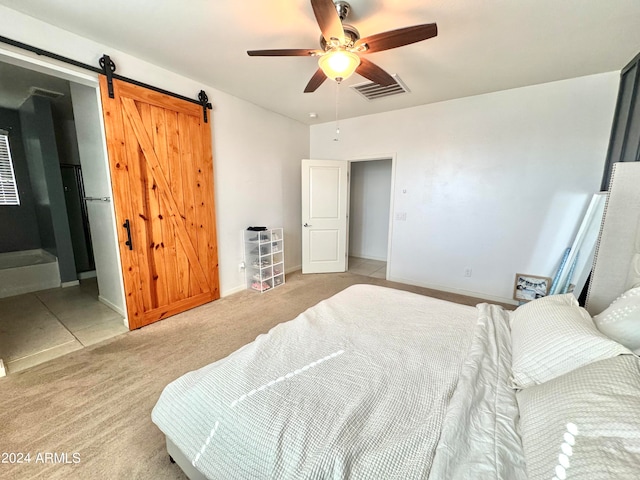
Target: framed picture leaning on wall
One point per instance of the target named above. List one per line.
(530, 287)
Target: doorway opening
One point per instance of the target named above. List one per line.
(370, 189)
(64, 222)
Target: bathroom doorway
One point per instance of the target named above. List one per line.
(64, 219)
(369, 209)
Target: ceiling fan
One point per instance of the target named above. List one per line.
(342, 49)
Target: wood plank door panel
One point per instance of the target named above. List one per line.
(162, 174)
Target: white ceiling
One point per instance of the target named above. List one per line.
(16, 84)
(482, 46)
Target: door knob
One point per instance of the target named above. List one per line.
(307, 225)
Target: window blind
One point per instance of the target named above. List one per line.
(8, 187)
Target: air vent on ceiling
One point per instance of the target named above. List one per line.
(45, 93)
(372, 91)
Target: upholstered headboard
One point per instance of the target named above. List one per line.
(616, 266)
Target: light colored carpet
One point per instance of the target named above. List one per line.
(96, 402)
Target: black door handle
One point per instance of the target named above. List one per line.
(127, 225)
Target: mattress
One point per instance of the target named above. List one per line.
(370, 383)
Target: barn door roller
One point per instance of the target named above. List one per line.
(204, 101)
(108, 67)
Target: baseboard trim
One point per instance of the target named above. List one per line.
(368, 257)
(243, 286)
(73, 283)
(458, 291)
(233, 290)
(292, 269)
(88, 274)
(3, 371)
(112, 306)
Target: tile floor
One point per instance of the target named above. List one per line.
(369, 268)
(36, 327)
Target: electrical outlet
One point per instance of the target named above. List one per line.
(401, 216)
(467, 272)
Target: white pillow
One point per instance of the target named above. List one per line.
(621, 320)
(585, 423)
(551, 336)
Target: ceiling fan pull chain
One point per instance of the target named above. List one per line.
(336, 138)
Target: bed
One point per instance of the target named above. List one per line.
(377, 383)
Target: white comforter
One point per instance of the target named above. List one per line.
(360, 386)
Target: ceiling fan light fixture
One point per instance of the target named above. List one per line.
(339, 65)
(341, 46)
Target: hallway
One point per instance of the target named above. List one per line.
(369, 268)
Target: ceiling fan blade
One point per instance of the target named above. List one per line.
(328, 20)
(398, 38)
(286, 52)
(374, 73)
(318, 78)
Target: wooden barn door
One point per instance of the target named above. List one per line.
(162, 178)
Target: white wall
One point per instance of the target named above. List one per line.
(256, 152)
(369, 204)
(257, 157)
(97, 184)
(497, 183)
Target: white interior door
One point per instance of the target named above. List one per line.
(324, 215)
